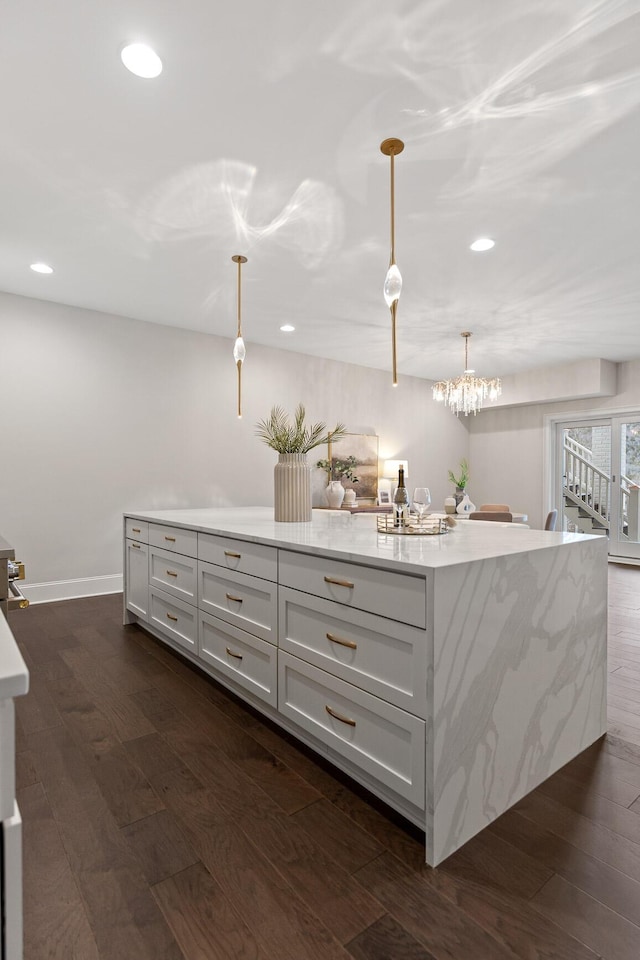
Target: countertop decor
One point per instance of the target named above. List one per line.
(292, 474)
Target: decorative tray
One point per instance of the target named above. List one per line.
(427, 526)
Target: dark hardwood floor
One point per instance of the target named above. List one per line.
(164, 820)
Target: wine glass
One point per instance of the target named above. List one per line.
(421, 500)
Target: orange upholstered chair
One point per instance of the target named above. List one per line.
(500, 507)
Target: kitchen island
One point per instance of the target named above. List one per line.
(450, 675)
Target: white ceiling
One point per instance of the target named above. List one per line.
(521, 120)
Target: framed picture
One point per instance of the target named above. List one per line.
(364, 448)
(384, 496)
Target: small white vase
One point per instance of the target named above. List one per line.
(335, 494)
(450, 505)
(465, 506)
(350, 497)
(292, 488)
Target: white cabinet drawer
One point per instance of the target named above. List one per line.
(387, 743)
(174, 573)
(177, 619)
(137, 530)
(247, 602)
(385, 658)
(174, 538)
(398, 596)
(248, 661)
(254, 559)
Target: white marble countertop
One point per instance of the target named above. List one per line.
(14, 676)
(347, 537)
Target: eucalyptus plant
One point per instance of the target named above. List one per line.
(279, 433)
(340, 469)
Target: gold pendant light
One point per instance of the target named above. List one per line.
(393, 280)
(239, 350)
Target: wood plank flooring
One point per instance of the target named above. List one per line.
(164, 820)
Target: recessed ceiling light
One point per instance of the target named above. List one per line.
(482, 243)
(287, 328)
(41, 268)
(141, 60)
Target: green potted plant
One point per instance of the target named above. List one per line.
(339, 470)
(292, 440)
(460, 482)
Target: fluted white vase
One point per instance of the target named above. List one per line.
(292, 488)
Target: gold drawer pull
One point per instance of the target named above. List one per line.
(170, 573)
(136, 545)
(343, 643)
(171, 617)
(170, 539)
(236, 599)
(238, 656)
(336, 716)
(339, 583)
(136, 529)
(230, 553)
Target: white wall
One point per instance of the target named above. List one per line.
(104, 414)
(507, 446)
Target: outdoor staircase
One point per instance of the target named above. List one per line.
(586, 491)
(583, 520)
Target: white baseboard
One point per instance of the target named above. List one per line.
(72, 589)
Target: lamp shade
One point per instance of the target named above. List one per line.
(392, 467)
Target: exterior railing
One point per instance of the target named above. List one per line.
(586, 485)
(589, 488)
(579, 448)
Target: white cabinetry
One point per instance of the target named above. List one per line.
(387, 658)
(14, 682)
(347, 673)
(137, 578)
(334, 651)
(171, 580)
(238, 603)
(435, 671)
(240, 657)
(382, 740)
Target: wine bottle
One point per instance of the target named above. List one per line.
(401, 502)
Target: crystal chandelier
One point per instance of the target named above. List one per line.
(393, 280)
(239, 350)
(467, 393)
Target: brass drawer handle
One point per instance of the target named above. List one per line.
(236, 599)
(170, 573)
(136, 529)
(339, 583)
(343, 643)
(336, 716)
(136, 545)
(238, 656)
(171, 617)
(230, 553)
(170, 539)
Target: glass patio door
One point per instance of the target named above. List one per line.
(584, 481)
(598, 480)
(624, 535)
